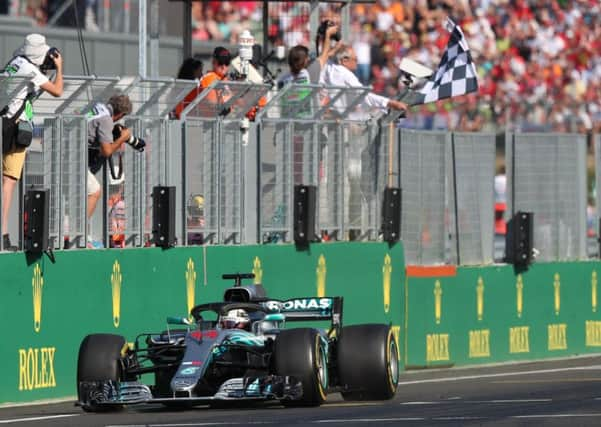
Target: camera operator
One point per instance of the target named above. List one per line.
(105, 138)
(327, 33)
(32, 60)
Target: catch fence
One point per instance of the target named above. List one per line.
(235, 179)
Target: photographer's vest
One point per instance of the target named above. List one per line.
(95, 159)
(295, 103)
(21, 103)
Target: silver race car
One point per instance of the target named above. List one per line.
(243, 348)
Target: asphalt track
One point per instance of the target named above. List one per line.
(554, 393)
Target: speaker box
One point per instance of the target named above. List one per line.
(305, 198)
(391, 215)
(519, 238)
(36, 221)
(163, 216)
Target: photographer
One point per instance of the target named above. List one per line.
(32, 60)
(104, 139)
(327, 33)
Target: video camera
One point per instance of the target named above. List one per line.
(48, 63)
(321, 30)
(136, 143)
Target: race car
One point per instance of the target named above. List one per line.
(242, 348)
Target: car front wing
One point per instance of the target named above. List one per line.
(94, 393)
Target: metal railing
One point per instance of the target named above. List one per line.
(235, 179)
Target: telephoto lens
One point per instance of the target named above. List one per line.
(137, 143)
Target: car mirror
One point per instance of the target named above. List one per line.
(173, 320)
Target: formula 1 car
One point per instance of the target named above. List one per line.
(240, 349)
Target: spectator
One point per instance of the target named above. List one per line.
(342, 74)
(220, 63)
(327, 33)
(117, 212)
(471, 120)
(32, 60)
(104, 139)
(298, 60)
(304, 71)
(500, 195)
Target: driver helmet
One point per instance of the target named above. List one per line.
(235, 319)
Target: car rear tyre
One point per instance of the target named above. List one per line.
(368, 362)
(98, 360)
(300, 353)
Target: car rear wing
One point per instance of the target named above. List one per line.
(308, 309)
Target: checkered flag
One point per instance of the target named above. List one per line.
(456, 74)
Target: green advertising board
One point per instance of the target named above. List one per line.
(47, 308)
(496, 314)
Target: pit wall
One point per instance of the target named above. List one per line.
(442, 316)
(474, 315)
(47, 308)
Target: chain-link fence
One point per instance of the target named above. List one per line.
(235, 180)
(473, 165)
(425, 217)
(547, 176)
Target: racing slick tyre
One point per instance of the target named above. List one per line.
(300, 353)
(368, 362)
(98, 360)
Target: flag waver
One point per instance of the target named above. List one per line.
(456, 73)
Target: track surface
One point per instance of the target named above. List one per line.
(555, 393)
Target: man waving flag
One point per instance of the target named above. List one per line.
(456, 73)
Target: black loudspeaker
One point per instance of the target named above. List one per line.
(305, 198)
(391, 215)
(36, 221)
(519, 238)
(163, 216)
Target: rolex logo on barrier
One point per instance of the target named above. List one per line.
(37, 283)
(116, 281)
(437, 301)
(190, 284)
(480, 298)
(557, 293)
(594, 291)
(321, 276)
(519, 289)
(257, 271)
(386, 278)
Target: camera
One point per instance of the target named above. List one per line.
(412, 71)
(135, 142)
(48, 63)
(321, 31)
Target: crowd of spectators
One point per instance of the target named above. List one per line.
(539, 61)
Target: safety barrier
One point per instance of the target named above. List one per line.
(49, 307)
(473, 315)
